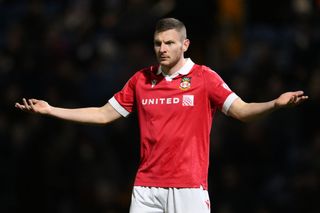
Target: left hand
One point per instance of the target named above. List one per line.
(290, 99)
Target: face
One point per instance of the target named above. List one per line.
(169, 47)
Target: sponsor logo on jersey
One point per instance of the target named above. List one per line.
(155, 101)
(187, 100)
(185, 83)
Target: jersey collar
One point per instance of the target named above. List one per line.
(184, 70)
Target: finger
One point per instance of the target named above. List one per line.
(34, 101)
(25, 103)
(299, 93)
(292, 99)
(31, 104)
(17, 105)
(295, 98)
(302, 98)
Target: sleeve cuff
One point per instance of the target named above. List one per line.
(227, 103)
(115, 104)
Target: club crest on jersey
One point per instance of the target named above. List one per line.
(185, 83)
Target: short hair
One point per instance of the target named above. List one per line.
(165, 24)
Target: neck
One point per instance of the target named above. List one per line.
(171, 70)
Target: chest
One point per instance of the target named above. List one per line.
(160, 95)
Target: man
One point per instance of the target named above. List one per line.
(175, 101)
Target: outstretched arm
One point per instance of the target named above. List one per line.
(89, 115)
(251, 111)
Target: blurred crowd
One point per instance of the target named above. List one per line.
(78, 53)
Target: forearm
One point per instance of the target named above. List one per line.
(89, 115)
(247, 112)
(255, 111)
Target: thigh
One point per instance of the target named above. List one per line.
(143, 201)
(188, 200)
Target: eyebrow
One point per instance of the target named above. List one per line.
(159, 41)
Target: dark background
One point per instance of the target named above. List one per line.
(79, 53)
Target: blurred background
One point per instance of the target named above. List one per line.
(79, 53)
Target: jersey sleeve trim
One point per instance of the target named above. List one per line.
(227, 103)
(115, 104)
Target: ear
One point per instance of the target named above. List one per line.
(186, 44)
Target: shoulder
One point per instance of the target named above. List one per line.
(207, 72)
(144, 73)
(147, 71)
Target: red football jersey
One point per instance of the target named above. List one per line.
(175, 117)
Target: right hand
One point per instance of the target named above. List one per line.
(34, 106)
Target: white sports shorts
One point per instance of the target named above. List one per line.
(169, 200)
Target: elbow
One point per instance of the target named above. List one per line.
(243, 119)
(108, 115)
(102, 118)
(246, 119)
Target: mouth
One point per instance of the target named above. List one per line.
(163, 58)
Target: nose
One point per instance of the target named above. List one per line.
(162, 48)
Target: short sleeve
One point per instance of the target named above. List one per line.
(123, 101)
(219, 93)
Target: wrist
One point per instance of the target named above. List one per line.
(276, 105)
(50, 110)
